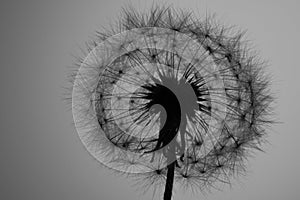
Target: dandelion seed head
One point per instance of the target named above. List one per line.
(167, 72)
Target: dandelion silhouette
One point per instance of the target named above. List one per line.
(170, 98)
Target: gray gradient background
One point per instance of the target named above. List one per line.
(41, 155)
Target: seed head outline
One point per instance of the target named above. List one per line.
(168, 97)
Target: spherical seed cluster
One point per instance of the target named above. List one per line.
(231, 90)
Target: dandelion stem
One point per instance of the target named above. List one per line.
(169, 181)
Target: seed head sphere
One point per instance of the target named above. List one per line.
(169, 99)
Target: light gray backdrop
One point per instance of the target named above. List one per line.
(41, 156)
